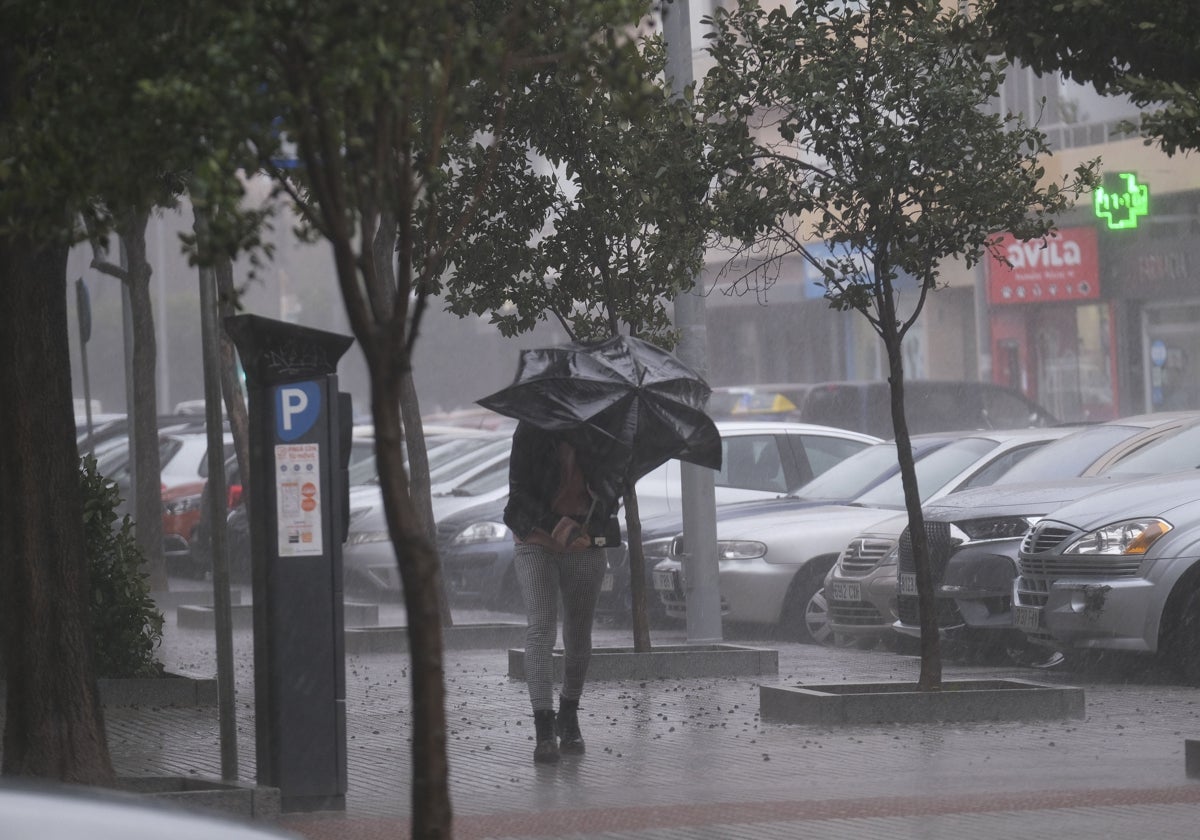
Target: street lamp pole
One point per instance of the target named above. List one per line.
(700, 571)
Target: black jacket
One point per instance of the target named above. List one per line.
(533, 475)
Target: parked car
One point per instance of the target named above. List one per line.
(368, 558)
(974, 537)
(760, 460)
(1118, 570)
(183, 470)
(52, 811)
(773, 565)
(930, 405)
(974, 565)
(840, 484)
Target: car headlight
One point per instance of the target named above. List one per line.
(1133, 536)
(659, 549)
(175, 507)
(892, 557)
(740, 550)
(480, 532)
(997, 528)
(363, 537)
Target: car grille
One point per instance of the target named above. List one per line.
(1044, 537)
(862, 556)
(854, 613)
(908, 610)
(940, 544)
(1057, 566)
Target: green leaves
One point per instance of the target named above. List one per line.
(869, 128)
(126, 624)
(614, 229)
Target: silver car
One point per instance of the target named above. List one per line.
(773, 565)
(974, 578)
(1118, 570)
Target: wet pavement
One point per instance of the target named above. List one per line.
(689, 759)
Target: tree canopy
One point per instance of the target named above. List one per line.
(1148, 50)
(861, 127)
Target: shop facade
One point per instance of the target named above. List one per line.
(1102, 321)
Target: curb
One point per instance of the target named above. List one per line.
(665, 662)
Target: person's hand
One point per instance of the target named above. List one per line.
(569, 534)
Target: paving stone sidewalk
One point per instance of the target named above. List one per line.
(677, 759)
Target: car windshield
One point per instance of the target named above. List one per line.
(1175, 452)
(853, 476)
(934, 471)
(487, 481)
(1069, 456)
(469, 452)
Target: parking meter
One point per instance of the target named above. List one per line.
(300, 428)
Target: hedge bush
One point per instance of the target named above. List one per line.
(126, 623)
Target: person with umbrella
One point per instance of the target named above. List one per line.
(593, 418)
(552, 512)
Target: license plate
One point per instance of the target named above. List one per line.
(1027, 618)
(664, 581)
(607, 583)
(908, 584)
(840, 591)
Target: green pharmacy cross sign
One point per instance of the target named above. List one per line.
(1121, 200)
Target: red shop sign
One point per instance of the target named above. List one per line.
(1064, 267)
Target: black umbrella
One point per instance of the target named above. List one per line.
(626, 404)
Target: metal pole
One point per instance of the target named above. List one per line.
(983, 324)
(127, 325)
(700, 569)
(83, 310)
(214, 425)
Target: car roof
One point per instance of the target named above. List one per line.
(730, 426)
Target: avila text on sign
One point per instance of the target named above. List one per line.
(1064, 267)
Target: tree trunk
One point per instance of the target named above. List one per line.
(421, 578)
(147, 469)
(54, 726)
(637, 571)
(418, 472)
(931, 657)
(383, 254)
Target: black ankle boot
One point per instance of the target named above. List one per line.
(567, 725)
(546, 750)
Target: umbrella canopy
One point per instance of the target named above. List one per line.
(627, 406)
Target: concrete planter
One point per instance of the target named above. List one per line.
(202, 616)
(458, 637)
(900, 702)
(665, 662)
(167, 690)
(245, 800)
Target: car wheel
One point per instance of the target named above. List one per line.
(806, 612)
(816, 619)
(1184, 639)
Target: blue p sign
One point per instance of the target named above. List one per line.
(296, 409)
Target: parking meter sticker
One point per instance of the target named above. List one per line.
(297, 407)
(298, 498)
